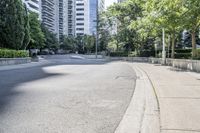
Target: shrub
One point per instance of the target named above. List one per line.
(183, 55)
(132, 54)
(6, 53)
(119, 54)
(183, 50)
(147, 53)
(198, 54)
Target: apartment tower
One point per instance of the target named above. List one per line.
(33, 6)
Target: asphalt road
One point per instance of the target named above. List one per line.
(65, 96)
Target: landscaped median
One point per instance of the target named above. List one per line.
(12, 57)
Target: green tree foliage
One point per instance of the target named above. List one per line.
(168, 16)
(12, 21)
(191, 19)
(68, 43)
(126, 13)
(82, 44)
(104, 34)
(89, 43)
(140, 23)
(27, 36)
(37, 36)
(51, 39)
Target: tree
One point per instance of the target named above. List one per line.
(27, 36)
(2, 23)
(123, 13)
(167, 14)
(51, 40)
(68, 43)
(104, 33)
(191, 21)
(12, 22)
(140, 23)
(89, 43)
(37, 36)
(80, 44)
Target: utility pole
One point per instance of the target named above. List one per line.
(97, 28)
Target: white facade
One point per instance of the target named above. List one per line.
(120, 1)
(82, 17)
(33, 6)
(86, 16)
(59, 16)
(68, 17)
(101, 5)
(50, 15)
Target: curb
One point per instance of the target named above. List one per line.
(142, 115)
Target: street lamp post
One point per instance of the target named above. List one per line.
(164, 51)
(97, 28)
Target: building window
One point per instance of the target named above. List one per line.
(78, 24)
(80, 29)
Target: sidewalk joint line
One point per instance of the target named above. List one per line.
(185, 130)
(187, 98)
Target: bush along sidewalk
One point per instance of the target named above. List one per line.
(7, 53)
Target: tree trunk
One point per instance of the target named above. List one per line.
(173, 45)
(193, 44)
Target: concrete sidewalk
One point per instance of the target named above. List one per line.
(178, 93)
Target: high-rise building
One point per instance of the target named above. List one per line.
(86, 16)
(68, 17)
(82, 17)
(33, 6)
(120, 1)
(59, 16)
(101, 5)
(93, 16)
(61, 8)
(50, 15)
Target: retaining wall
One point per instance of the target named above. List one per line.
(14, 61)
(191, 65)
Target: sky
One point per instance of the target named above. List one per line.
(109, 2)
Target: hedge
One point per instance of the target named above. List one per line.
(119, 54)
(183, 50)
(7, 53)
(147, 53)
(183, 55)
(198, 52)
(179, 54)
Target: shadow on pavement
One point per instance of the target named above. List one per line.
(10, 79)
(79, 62)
